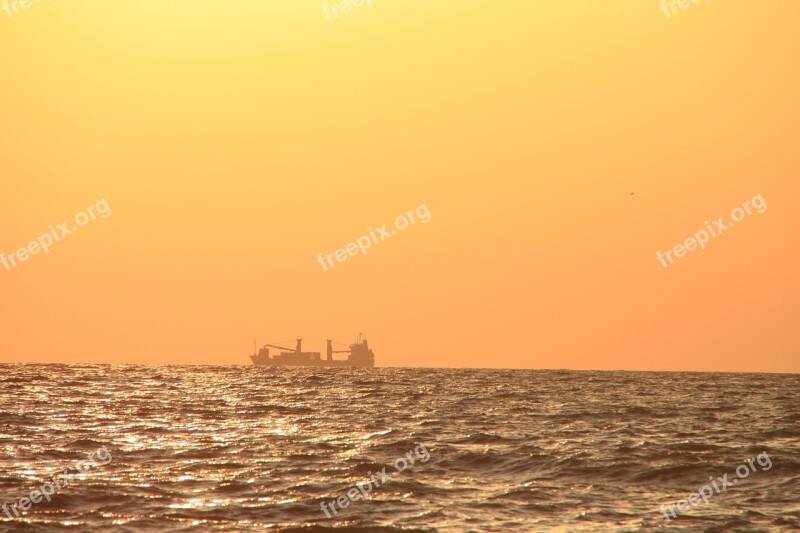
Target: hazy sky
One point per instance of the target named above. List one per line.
(234, 141)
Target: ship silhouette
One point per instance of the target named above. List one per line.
(360, 355)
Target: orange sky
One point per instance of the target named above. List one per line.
(234, 141)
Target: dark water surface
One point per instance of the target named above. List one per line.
(250, 449)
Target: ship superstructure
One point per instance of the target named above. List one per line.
(359, 355)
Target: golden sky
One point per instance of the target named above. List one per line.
(233, 141)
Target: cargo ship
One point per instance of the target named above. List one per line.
(359, 355)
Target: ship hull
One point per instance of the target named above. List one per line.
(318, 364)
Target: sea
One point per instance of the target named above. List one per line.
(242, 448)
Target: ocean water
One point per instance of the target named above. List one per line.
(251, 449)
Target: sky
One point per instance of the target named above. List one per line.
(556, 147)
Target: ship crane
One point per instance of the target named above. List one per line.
(297, 349)
(278, 347)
